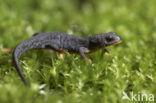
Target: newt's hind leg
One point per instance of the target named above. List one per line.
(57, 49)
(63, 51)
(82, 51)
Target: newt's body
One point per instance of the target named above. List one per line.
(64, 43)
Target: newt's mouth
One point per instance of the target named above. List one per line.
(118, 42)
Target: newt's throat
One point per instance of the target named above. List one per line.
(118, 42)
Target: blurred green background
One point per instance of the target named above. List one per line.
(131, 66)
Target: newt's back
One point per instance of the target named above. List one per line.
(62, 41)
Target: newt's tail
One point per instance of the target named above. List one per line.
(18, 51)
(16, 55)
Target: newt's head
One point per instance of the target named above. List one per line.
(105, 39)
(111, 39)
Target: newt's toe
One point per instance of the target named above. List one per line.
(89, 61)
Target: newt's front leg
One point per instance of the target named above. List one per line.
(105, 50)
(82, 51)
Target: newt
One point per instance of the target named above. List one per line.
(64, 43)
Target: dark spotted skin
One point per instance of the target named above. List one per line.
(64, 43)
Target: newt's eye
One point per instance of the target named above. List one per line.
(109, 39)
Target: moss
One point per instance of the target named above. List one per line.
(129, 67)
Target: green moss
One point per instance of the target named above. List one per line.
(68, 79)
